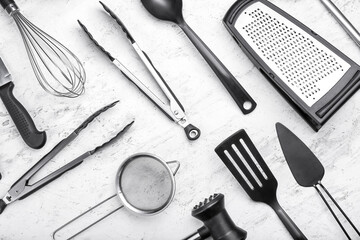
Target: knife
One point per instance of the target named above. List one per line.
(23, 122)
(308, 170)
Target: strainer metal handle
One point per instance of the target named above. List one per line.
(173, 171)
(83, 214)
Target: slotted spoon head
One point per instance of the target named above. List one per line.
(244, 161)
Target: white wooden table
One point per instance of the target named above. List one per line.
(208, 106)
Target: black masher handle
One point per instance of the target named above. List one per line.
(24, 123)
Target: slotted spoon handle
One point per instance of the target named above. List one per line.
(288, 222)
(238, 93)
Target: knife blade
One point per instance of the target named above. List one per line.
(5, 76)
(23, 122)
(304, 165)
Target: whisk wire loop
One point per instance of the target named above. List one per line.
(57, 69)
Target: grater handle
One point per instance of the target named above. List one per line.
(238, 93)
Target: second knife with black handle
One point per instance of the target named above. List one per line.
(24, 123)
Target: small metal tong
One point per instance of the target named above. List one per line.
(173, 110)
(22, 189)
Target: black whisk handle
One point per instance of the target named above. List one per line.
(24, 123)
(6, 3)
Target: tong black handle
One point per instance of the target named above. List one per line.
(288, 222)
(24, 123)
(238, 93)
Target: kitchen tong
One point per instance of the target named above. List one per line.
(22, 189)
(173, 109)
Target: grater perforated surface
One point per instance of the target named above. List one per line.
(306, 66)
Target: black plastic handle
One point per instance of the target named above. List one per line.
(288, 223)
(32, 137)
(192, 132)
(238, 93)
(2, 206)
(5, 3)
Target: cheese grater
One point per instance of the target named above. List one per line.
(313, 76)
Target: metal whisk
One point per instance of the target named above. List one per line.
(57, 69)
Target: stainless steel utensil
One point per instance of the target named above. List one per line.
(171, 10)
(173, 108)
(244, 161)
(21, 189)
(145, 185)
(307, 169)
(311, 74)
(57, 69)
(23, 122)
(342, 20)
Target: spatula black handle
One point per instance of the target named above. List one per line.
(24, 123)
(288, 222)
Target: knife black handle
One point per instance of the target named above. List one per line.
(32, 137)
(2, 206)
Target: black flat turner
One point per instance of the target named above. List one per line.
(246, 164)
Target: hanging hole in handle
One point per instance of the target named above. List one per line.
(176, 168)
(192, 132)
(247, 105)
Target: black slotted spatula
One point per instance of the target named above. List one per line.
(307, 169)
(244, 161)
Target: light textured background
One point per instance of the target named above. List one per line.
(208, 106)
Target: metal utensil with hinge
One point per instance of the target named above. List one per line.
(22, 188)
(173, 108)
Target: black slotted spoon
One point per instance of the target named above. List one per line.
(254, 175)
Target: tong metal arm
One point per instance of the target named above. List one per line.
(22, 189)
(173, 110)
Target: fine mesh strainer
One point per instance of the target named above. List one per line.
(310, 73)
(145, 185)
